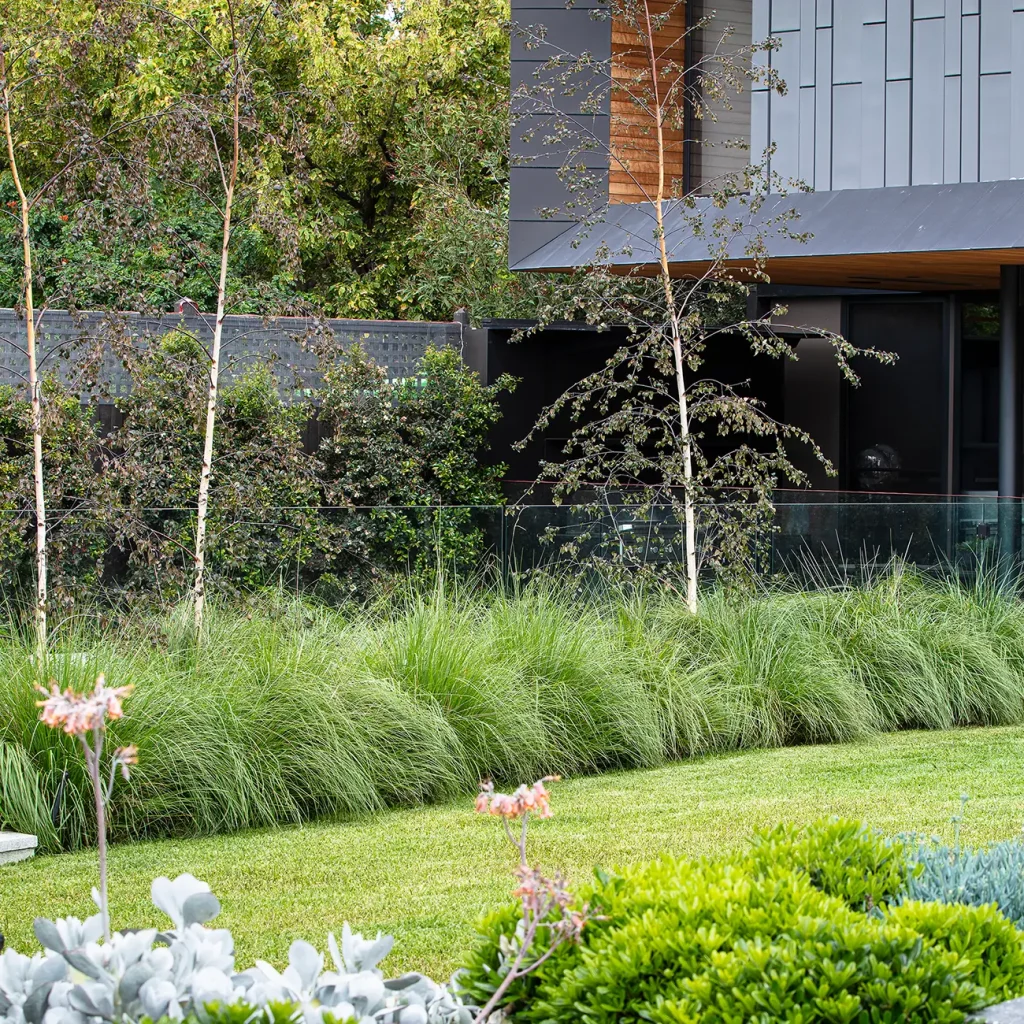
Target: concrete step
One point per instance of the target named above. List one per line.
(15, 846)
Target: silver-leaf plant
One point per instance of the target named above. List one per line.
(189, 971)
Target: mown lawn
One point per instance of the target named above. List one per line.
(426, 874)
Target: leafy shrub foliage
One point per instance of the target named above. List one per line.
(189, 970)
(976, 878)
(776, 934)
(122, 507)
(841, 858)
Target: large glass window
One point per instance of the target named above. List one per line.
(979, 398)
(897, 420)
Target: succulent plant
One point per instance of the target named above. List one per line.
(189, 971)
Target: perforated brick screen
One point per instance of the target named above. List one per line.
(287, 344)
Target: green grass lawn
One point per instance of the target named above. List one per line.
(426, 874)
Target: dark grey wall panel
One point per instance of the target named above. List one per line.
(994, 163)
(897, 133)
(927, 94)
(846, 134)
(548, 5)
(541, 142)
(537, 89)
(535, 190)
(527, 236)
(996, 26)
(542, 34)
(534, 178)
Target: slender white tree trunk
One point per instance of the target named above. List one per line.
(665, 273)
(33, 376)
(199, 589)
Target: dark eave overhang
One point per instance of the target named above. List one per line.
(918, 238)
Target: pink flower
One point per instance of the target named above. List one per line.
(533, 799)
(80, 713)
(126, 757)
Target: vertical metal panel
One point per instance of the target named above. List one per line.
(897, 133)
(951, 132)
(872, 11)
(897, 40)
(996, 26)
(994, 156)
(823, 111)
(785, 16)
(1015, 127)
(807, 40)
(873, 108)
(926, 153)
(847, 119)
(969, 99)
(824, 17)
(807, 141)
(760, 30)
(953, 37)
(785, 110)
(846, 50)
(929, 8)
(971, 7)
(762, 19)
(758, 126)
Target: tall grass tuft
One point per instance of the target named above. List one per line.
(289, 711)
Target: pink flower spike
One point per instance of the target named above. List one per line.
(78, 714)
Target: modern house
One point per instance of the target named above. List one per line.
(906, 119)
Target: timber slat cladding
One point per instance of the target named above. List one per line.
(633, 171)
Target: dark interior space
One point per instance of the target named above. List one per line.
(979, 398)
(550, 361)
(897, 418)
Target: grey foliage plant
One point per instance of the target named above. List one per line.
(189, 971)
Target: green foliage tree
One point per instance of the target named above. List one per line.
(398, 447)
(381, 182)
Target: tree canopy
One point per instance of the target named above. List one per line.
(376, 177)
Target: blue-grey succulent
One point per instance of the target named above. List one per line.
(190, 968)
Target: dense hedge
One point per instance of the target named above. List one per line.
(287, 503)
(782, 933)
(416, 697)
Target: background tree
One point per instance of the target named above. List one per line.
(396, 112)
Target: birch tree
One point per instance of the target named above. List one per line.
(229, 179)
(27, 296)
(638, 424)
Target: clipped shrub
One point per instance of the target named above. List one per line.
(953, 874)
(797, 930)
(981, 936)
(860, 865)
